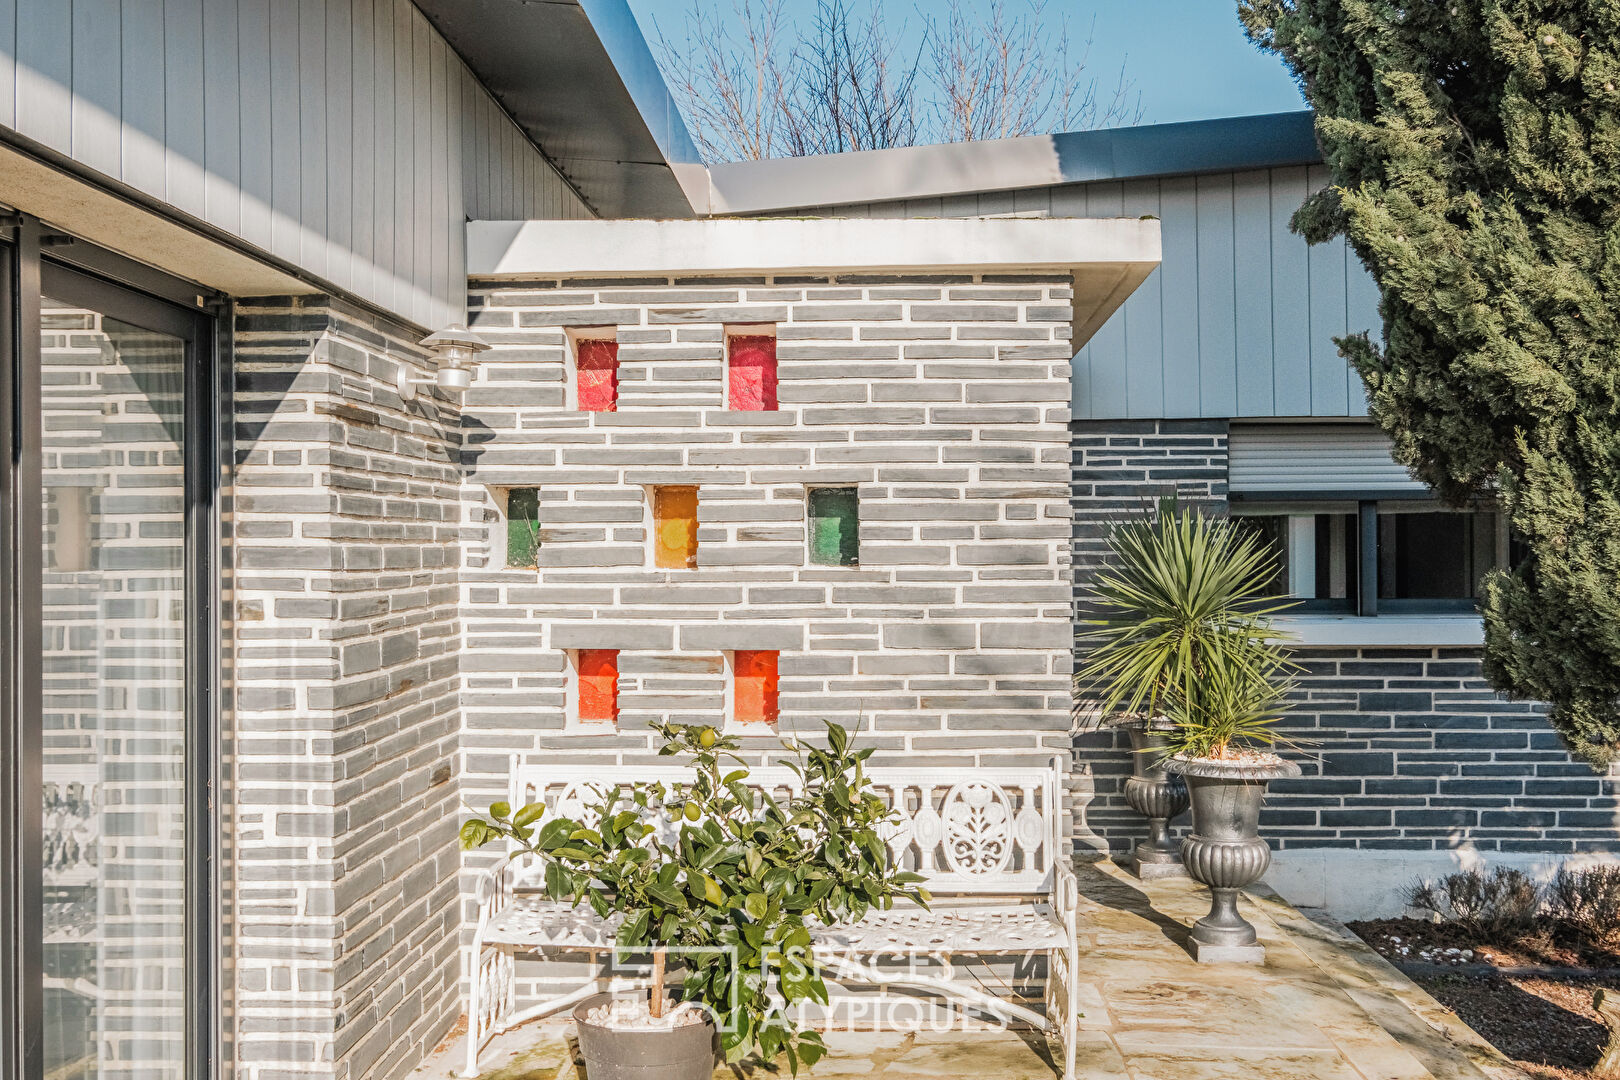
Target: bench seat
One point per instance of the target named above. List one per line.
(534, 922)
(987, 841)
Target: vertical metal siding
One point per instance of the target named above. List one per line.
(342, 135)
(1239, 319)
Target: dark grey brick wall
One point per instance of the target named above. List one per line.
(1122, 466)
(1412, 749)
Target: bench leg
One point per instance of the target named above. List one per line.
(1071, 1011)
(489, 998)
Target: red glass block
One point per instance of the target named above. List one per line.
(598, 372)
(754, 691)
(598, 684)
(751, 375)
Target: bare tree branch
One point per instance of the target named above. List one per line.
(1000, 76)
(759, 85)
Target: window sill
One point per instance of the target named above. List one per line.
(1456, 630)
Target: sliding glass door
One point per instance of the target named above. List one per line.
(112, 656)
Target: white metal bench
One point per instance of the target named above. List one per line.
(976, 835)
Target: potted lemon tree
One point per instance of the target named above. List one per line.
(729, 886)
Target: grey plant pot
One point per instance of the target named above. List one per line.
(1158, 795)
(683, 1053)
(1224, 850)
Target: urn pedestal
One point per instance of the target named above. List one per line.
(1224, 850)
(1159, 796)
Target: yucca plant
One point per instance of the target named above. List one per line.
(1186, 597)
(1230, 708)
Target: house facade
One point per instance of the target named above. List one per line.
(279, 599)
(1218, 381)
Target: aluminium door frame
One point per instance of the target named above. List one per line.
(136, 294)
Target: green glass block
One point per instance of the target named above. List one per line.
(522, 526)
(835, 526)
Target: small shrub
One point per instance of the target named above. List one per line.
(1494, 906)
(1588, 899)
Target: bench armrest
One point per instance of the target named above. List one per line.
(492, 890)
(1066, 895)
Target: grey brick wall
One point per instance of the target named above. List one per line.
(345, 521)
(946, 402)
(1416, 752)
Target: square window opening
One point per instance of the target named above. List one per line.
(834, 518)
(593, 697)
(751, 368)
(754, 698)
(593, 376)
(522, 527)
(674, 529)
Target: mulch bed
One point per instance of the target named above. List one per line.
(1543, 1020)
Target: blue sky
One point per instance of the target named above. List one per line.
(1188, 58)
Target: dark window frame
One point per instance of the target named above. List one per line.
(79, 272)
(1364, 601)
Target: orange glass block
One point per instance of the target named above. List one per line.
(754, 694)
(598, 684)
(675, 540)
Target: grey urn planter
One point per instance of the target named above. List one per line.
(1158, 795)
(682, 1053)
(1224, 850)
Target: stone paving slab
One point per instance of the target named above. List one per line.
(1323, 1006)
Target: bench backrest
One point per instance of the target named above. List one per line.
(966, 830)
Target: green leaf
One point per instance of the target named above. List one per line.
(500, 811)
(837, 738)
(634, 929)
(529, 814)
(756, 905)
(666, 895)
(553, 834)
(474, 834)
(558, 884)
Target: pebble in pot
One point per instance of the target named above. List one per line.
(620, 1042)
(1224, 850)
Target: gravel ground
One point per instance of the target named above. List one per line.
(1545, 1023)
(1421, 941)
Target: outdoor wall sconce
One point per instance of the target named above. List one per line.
(455, 346)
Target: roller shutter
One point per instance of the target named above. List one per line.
(1314, 458)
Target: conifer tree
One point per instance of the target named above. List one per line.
(1474, 147)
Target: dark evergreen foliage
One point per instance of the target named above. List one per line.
(1475, 154)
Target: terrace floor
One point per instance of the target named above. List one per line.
(1324, 1006)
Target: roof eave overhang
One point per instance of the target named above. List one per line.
(1106, 257)
(926, 172)
(578, 78)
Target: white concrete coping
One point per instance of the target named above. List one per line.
(1394, 630)
(1107, 257)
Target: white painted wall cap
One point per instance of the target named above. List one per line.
(1107, 257)
(497, 249)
